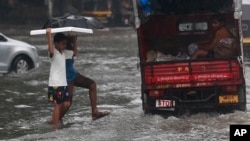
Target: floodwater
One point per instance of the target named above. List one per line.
(110, 58)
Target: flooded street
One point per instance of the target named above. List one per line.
(110, 58)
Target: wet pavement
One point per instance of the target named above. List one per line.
(110, 58)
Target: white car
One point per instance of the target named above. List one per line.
(17, 56)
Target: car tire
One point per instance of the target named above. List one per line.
(21, 64)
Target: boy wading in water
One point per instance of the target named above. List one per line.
(57, 89)
(74, 78)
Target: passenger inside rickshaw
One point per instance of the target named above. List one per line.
(169, 47)
(221, 44)
(222, 38)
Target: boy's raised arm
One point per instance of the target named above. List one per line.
(73, 40)
(50, 43)
(75, 45)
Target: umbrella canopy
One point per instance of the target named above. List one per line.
(73, 21)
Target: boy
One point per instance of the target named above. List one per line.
(74, 78)
(57, 88)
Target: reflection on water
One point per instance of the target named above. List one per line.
(110, 58)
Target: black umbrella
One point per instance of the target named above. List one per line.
(73, 21)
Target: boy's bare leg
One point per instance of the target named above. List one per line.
(64, 108)
(67, 105)
(93, 101)
(56, 115)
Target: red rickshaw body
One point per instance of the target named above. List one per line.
(173, 81)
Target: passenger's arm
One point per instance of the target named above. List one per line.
(218, 36)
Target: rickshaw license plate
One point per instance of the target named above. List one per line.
(228, 99)
(164, 103)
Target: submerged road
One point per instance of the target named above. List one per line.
(110, 58)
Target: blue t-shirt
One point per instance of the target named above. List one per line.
(71, 73)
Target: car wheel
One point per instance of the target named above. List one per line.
(21, 65)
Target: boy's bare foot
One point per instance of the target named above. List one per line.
(98, 115)
(50, 120)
